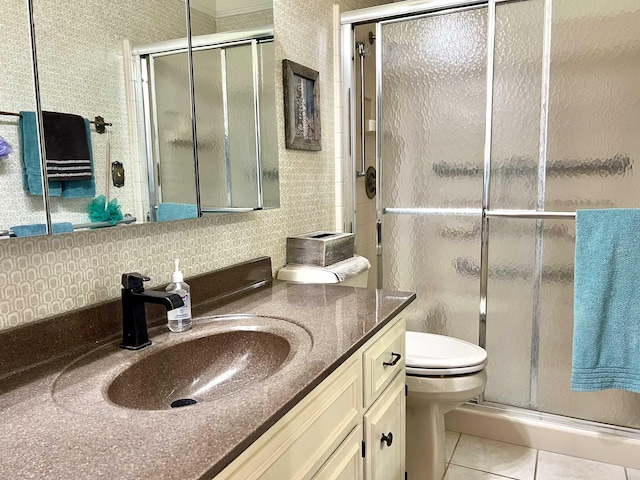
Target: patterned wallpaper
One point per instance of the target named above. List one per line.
(249, 20)
(43, 276)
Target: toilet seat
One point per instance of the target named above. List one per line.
(430, 355)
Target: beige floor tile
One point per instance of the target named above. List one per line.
(552, 466)
(633, 474)
(451, 439)
(495, 457)
(455, 472)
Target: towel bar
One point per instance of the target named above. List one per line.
(478, 212)
(79, 226)
(99, 122)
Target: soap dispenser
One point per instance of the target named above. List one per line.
(179, 319)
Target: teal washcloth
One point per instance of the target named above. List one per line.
(100, 211)
(176, 211)
(606, 335)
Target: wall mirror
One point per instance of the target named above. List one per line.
(86, 67)
(16, 94)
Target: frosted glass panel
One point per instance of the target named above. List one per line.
(593, 118)
(433, 110)
(268, 126)
(437, 257)
(510, 310)
(556, 336)
(242, 128)
(175, 165)
(516, 104)
(207, 69)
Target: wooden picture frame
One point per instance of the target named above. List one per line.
(301, 106)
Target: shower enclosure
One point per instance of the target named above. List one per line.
(495, 121)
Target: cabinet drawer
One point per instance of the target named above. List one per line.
(383, 360)
(346, 462)
(384, 434)
(301, 441)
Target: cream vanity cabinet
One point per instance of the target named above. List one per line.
(350, 427)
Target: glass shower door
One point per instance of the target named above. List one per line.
(563, 130)
(431, 140)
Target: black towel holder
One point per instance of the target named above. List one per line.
(98, 121)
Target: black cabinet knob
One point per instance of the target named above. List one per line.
(388, 439)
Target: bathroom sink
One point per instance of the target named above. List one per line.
(201, 369)
(220, 357)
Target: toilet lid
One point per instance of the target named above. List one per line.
(430, 354)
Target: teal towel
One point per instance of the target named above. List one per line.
(606, 329)
(30, 155)
(32, 173)
(40, 229)
(176, 211)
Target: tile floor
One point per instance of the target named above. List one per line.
(475, 458)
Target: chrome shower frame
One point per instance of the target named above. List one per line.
(403, 11)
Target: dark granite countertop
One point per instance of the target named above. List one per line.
(56, 428)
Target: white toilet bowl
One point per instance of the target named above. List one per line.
(442, 374)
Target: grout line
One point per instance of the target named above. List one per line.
(626, 474)
(535, 467)
(455, 446)
(484, 471)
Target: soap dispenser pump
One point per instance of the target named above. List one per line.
(179, 319)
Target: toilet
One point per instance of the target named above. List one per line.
(442, 374)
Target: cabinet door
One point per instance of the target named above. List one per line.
(346, 462)
(384, 434)
(301, 441)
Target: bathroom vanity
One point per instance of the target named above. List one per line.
(76, 405)
(353, 419)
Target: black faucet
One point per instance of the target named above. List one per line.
(134, 321)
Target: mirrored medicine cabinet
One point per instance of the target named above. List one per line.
(126, 69)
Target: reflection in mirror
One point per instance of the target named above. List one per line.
(21, 214)
(84, 68)
(163, 92)
(235, 101)
(231, 71)
(235, 108)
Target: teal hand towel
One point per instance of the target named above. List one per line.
(176, 211)
(606, 334)
(30, 156)
(41, 229)
(32, 173)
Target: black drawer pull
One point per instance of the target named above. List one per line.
(388, 439)
(395, 359)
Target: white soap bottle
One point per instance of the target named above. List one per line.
(179, 319)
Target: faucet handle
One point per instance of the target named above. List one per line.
(134, 281)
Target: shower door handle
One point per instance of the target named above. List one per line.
(362, 172)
